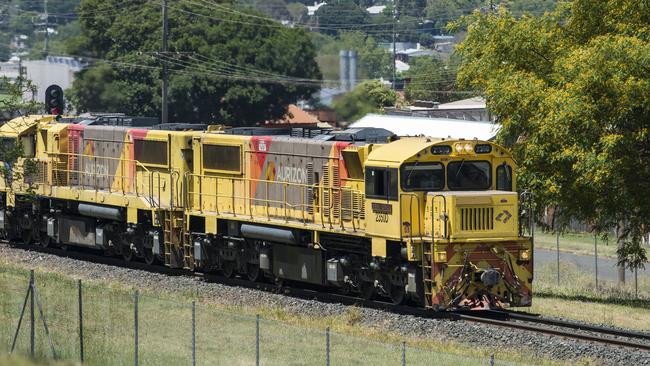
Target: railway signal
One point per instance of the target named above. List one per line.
(54, 100)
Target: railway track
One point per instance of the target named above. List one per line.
(502, 318)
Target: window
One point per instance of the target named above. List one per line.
(222, 157)
(423, 177)
(150, 152)
(468, 175)
(504, 177)
(381, 183)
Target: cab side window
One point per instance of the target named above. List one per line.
(381, 183)
(504, 177)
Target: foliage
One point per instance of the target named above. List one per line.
(343, 14)
(373, 60)
(12, 102)
(298, 12)
(223, 66)
(429, 79)
(368, 97)
(572, 91)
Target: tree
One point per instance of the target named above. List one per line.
(430, 78)
(12, 98)
(298, 12)
(368, 97)
(225, 65)
(572, 92)
(341, 15)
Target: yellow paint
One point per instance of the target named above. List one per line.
(378, 247)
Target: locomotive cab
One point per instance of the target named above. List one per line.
(446, 213)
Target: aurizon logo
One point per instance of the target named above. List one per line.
(270, 171)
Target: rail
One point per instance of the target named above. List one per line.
(284, 200)
(89, 175)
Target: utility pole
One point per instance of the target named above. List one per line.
(47, 25)
(164, 70)
(394, 46)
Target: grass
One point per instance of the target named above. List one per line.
(576, 297)
(225, 335)
(578, 243)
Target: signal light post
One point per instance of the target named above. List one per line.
(54, 100)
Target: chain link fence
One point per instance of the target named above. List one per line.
(100, 325)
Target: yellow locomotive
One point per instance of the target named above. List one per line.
(427, 220)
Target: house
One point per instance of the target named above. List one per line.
(376, 10)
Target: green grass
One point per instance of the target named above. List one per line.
(578, 243)
(225, 335)
(576, 297)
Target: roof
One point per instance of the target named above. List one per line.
(376, 9)
(475, 102)
(433, 127)
(400, 150)
(296, 116)
(20, 125)
(311, 10)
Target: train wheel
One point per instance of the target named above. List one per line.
(228, 269)
(27, 236)
(397, 294)
(149, 257)
(127, 253)
(366, 290)
(45, 240)
(253, 272)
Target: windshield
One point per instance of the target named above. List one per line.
(423, 177)
(467, 175)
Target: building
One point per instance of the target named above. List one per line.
(431, 127)
(43, 73)
(376, 10)
(470, 109)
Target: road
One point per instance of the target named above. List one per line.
(606, 266)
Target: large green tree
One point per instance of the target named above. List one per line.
(341, 15)
(225, 65)
(430, 79)
(368, 97)
(572, 91)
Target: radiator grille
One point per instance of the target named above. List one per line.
(477, 218)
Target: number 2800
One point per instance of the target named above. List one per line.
(381, 217)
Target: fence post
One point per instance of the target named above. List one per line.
(327, 346)
(557, 243)
(636, 283)
(32, 333)
(193, 333)
(81, 324)
(492, 359)
(257, 340)
(403, 353)
(135, 325)
(596, 257)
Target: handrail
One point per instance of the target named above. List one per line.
(137, 162)
(283, 203)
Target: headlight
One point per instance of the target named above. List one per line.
(524, 255)
(469, 148)
(459, 148)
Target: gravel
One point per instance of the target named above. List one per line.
(473, 334)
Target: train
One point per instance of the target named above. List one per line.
(430, 222)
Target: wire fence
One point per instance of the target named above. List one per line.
(100, 325)
(584, 261)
